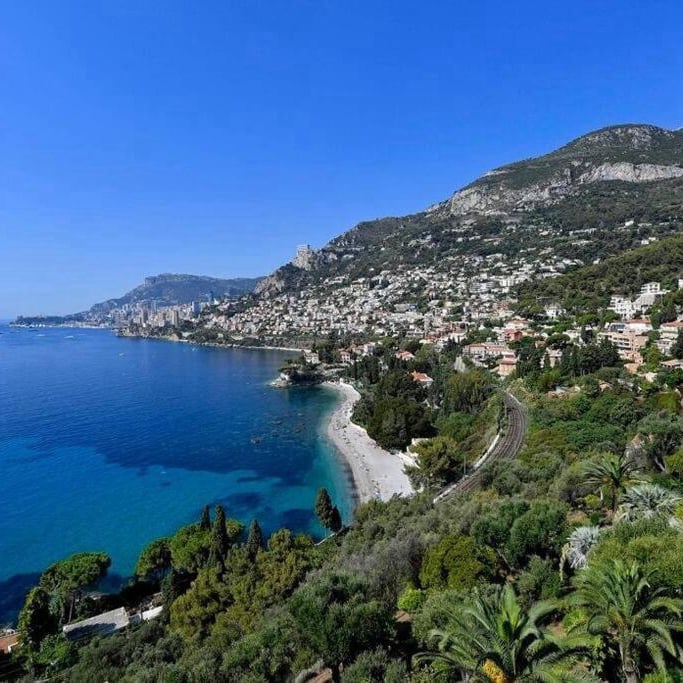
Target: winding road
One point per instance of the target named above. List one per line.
(506, 447)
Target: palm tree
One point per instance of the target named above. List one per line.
(646, 501)
(578, 545)
(492, 638)
(624, 605)
(612, 471)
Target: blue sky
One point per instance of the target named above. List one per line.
(213, 137)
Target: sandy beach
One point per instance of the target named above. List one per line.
(377, 474)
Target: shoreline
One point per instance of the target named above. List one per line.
(111, 328)
(376, 474)
(212, 345)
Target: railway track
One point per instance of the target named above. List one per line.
(506, 448)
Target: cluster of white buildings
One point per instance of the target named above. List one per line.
(649, 293)
(415, 301)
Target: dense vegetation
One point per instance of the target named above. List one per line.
(589, 288)
(565, 564)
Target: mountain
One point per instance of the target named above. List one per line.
(170, 289)
(166, 289)
(628, 153)
(600, 194)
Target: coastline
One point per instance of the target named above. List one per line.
(212, 345)
(377, 474)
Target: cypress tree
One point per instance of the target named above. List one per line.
(255, 539)
(335, 520)
(219, 538)
(323, 507)
(205, 523)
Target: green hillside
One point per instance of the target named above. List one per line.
(589, 288)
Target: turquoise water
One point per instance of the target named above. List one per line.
(108, 443)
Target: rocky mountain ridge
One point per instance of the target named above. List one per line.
(630, 153)
(592, 185)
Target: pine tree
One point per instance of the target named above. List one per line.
(323, 507)
(205, 523)
(219, 538)
(255, 539)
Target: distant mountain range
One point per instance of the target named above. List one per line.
(166, 289)
(170, 289)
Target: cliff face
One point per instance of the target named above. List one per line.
(500, 197)
(631, 154)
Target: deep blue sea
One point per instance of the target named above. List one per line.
(108, 443)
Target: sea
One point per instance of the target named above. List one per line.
(107, 443)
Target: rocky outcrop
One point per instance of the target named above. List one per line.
(494, 195)
(631, 153)
(272, 284)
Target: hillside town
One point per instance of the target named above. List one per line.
(475, 309)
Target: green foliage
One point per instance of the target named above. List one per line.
(323, 508)
(245, 588)
(492, 528)
(396, 421)
(440, 461)
(652, 543)
(664, 433)
(56, 653)
(64, 581)
(375, 666)
(623, 605)
(589, 288)
(205, 522)
(466, 392)
(540, 581)
(411, 599)
(456, 426)
(674, 463)
(610, 471)
(492, 637)
(36, 620)
(664, 677)
(254, 539)
(267, 654)
(154, 560)
(220, 543)
(677, 348)
(539, 531)
(457, 562)
(191, 545)
(336, 621)
(190, 548)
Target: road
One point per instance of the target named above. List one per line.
(506, 447)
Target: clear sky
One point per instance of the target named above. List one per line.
(212, 137)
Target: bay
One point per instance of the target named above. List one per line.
(107, 443)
